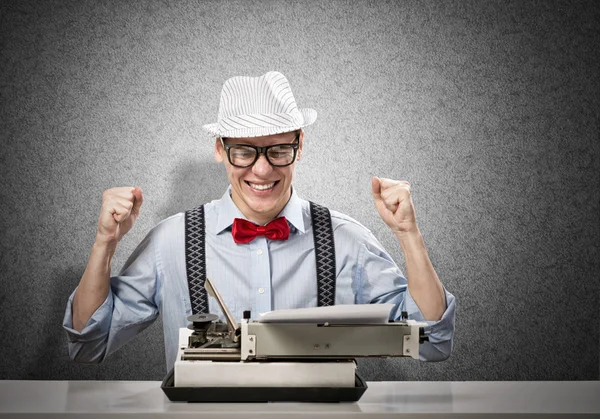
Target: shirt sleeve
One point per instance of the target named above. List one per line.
(380, 280)
(129, 308)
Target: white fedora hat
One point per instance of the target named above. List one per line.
(257, 106)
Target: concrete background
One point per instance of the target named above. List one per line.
(489, 108)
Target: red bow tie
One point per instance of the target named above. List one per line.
(244, 231)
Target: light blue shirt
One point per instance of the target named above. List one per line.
(260, 276)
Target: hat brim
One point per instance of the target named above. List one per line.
(309, 116)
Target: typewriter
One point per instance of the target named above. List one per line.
(306, 354)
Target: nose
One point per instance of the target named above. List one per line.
(262, 166)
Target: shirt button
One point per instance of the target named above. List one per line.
(261, 290)
(259, 252)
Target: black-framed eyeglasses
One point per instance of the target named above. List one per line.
(278, 155)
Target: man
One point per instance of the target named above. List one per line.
(266, 264)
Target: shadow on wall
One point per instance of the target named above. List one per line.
(195, 182)
(50, 358)
(49, 353)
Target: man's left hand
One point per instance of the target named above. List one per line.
(395, 206)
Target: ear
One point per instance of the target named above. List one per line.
(301, 143)
(219, 150)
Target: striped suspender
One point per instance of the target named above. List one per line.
(195, 257)
(324, 253)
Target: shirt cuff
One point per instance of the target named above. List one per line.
(97, 326)
(440, 332)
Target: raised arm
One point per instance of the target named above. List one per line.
(120, 209)
(394, 204)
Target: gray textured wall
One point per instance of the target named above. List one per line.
(490, 109)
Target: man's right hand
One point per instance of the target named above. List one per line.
(120, 209)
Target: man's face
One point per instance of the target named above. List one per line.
(261, 190)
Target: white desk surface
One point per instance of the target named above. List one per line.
(422, 399)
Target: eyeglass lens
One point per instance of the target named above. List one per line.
(280, 155)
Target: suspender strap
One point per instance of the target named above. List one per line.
(325, 254)
(195, 259)
(195, 256)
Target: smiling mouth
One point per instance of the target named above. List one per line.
(263, 187)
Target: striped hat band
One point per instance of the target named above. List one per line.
(258, 106)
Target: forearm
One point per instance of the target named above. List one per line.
(423, 282)
(94, 285)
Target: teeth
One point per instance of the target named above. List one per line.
(261, 187)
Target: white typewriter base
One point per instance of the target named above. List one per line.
(264, 374)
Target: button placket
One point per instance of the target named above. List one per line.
(261, 275)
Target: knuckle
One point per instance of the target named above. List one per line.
(110, 193)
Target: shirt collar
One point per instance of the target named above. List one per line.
(227, 210)
(293, 212)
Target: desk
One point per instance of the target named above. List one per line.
(422, 399)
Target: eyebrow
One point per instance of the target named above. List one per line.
(227, 138)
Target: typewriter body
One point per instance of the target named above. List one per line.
(313, 348)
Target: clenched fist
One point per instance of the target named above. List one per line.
(120, 209)
(394, 204)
